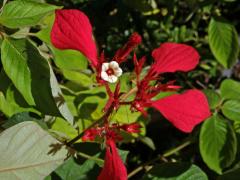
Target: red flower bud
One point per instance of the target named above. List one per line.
(122, 53)
(131, 128)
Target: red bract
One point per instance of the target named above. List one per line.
(183, 111)
(131, 128)
(110, 131)
(172, 57)
(72, 30)
(114, 168)
(91, 134)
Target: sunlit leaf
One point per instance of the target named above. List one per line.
(230, 89)
(25, 152)
(213, 97)
(33, 77)
(231, 109)
(223, 40)
(218, 143)
(24, 13)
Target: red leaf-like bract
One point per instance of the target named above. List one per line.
(172, 57)
(114, 168)
(72, 30)
(185, 110)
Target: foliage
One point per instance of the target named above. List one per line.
(50, 96)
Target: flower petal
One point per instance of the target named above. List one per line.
(104, 76)
(114, 168)
(185, 110)
(105, 66)
(112, 79)
(118, 72)
(72, 30)
(113, 65)
(171, 57)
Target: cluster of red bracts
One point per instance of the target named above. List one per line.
(113, 166)
(110, 131)
(72, 30)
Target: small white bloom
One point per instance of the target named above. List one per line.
(111, 71)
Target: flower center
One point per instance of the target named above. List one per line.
(110, 72)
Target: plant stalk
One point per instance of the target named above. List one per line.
(166, 154)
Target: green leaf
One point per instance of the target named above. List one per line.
(149, 142)
(230, 89)
(69, 59)
(78, 77)
(22, 33)
(123, 154)
(223, 41)
(175, 171)
(24, 13)
(25, 152)
(71, 170)
(213, 97)
(11, 101)
(64, 129)
(32, 75)
(6, 108)
(230, 175)
(231, 109)
(218, 143)
(24, 116)
(124, 115)
(14, 62)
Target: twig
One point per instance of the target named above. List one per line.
(86, 156)
(163, 157)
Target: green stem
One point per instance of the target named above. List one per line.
(104, 117)
(86, 156)
(176, 149)
(166, 154)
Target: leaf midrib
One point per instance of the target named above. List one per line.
(30, 165)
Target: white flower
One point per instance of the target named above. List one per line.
(111, 71)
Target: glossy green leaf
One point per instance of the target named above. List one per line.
(63, 129)
(218, 143)
(223, 40)
(69, 59)
(25, 152)
(175, 171)
(32, 75)
(12, 101)
(24, 13)
(230, 89)
(231, 109)
(15, 64)
(71, 170)
(78, 77)
(213, 97)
